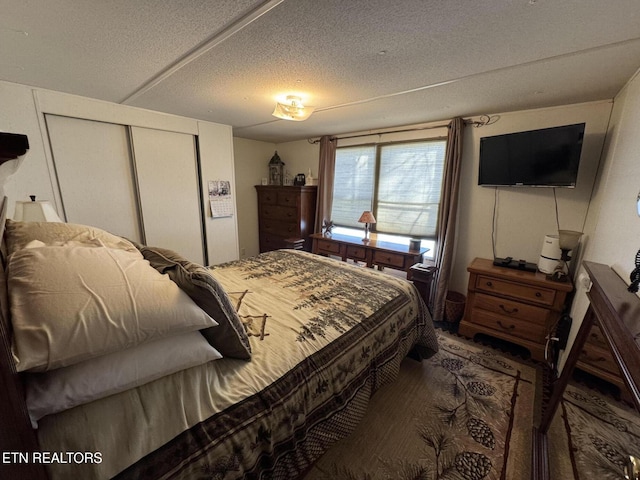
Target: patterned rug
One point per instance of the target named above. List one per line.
(465, 413)
(591, 436)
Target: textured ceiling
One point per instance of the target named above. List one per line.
(363, 64)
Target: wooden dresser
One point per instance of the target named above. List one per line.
(285, 212)
(514, 305)
(596, 358)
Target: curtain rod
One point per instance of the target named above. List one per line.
(484, 120)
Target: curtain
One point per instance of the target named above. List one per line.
(326, 169)
(447, 216)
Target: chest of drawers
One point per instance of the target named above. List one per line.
(285, 212)
(514, 305)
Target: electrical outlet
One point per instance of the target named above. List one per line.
(243, 252)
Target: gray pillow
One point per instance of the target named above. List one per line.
(229, 337)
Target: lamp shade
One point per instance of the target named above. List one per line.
(569, 239)
(367, 217)
(36, 211)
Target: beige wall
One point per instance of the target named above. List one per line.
(251, 164)
(251, 159)
(613, 226)
(525, 215)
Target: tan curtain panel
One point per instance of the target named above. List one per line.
(326, 169)
(447, 216)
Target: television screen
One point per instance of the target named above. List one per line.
(548, 157)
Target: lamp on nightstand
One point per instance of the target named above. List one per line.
(568, 240)
(366, 218)
(35, 211)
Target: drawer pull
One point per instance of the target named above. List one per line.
(538, 294)
(506, 310)
(489, 284)
(593, 359)
(509, 327)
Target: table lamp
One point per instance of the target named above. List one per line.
(35, 211)
(366, 218)
(568, 240)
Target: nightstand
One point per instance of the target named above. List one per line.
(514, 305)
(421, 274)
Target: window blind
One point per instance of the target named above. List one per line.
(401, 183)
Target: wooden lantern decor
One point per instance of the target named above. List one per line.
(276, 170)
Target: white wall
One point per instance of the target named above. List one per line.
(613, 225)
(22, 111)
(251, 158)
(525, 215)
(251, 164)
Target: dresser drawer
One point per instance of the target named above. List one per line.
(356, 253)
(278, 212)
(281, 228)
(512, 326)
(288, 199)
(328, 247)
(512, 309)
(271, 242)
(267, 197)
(599, 358)
(493, 286)
(388, 259)
(597, 338)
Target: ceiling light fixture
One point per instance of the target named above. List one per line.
(292, 109)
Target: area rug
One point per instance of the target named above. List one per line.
(591, 436)
(465, 413)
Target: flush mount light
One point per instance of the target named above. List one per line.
(292, 109)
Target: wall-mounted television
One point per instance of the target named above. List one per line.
(547, 157)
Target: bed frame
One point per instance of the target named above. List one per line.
(16, 434)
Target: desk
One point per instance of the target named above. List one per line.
(372, 252)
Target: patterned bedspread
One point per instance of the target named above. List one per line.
(325, 335)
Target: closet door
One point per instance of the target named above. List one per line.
(94, 171)
(168, 188)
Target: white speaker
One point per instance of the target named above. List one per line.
(550, 254)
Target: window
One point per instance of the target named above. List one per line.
(399, 182)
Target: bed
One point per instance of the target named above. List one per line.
(304, 342)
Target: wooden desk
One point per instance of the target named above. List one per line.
(373, 252)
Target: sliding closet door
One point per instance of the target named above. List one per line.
(168, 188)
(94, 171)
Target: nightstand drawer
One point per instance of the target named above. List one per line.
(388, 259)
(511, 326)
(356, 253)
(328, 247)
(493, 286)
(512, 309)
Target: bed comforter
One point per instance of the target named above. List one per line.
(324, 334)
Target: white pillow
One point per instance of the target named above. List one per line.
(64, 388)
(74, 302)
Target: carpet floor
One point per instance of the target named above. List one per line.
(467, 414)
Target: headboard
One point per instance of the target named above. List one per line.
(16, 434)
